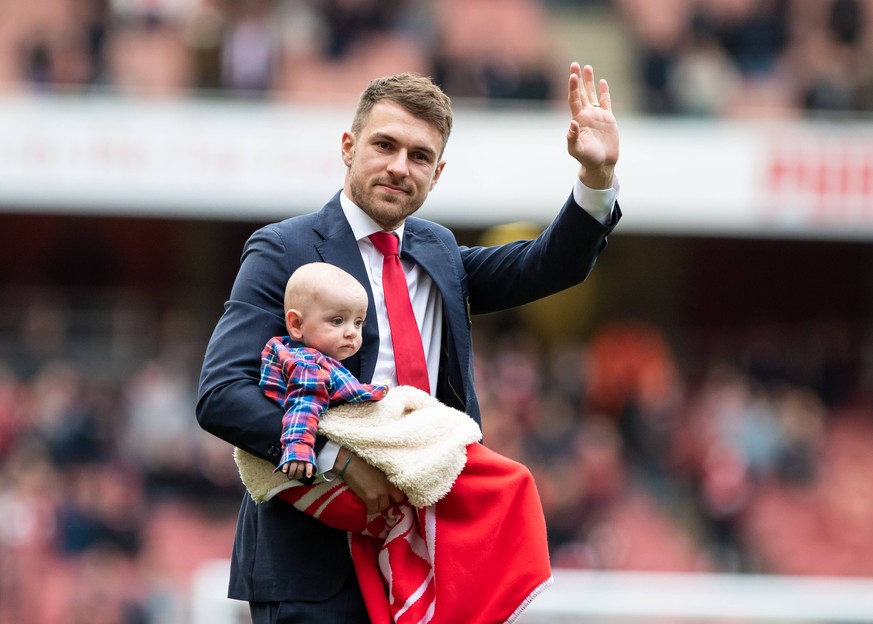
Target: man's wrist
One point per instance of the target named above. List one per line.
(596, 202)
(599, 178)
(343, 458)
(346, 463)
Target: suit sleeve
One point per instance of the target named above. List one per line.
(507, 276)
(230, 404)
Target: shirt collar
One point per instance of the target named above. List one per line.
(362, 225)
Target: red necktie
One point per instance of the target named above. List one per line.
(409, 358)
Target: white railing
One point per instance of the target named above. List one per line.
(265, 161)
(584, 597)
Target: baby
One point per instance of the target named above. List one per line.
(325, 308)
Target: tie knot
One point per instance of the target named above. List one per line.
(386, 243)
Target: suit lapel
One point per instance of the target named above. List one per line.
(336, 244)
(422, 246)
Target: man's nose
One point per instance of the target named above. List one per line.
(397, 165)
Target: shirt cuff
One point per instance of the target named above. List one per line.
(327, 458)
(599, 203)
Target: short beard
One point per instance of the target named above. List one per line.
(396, 216)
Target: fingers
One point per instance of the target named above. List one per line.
(588, 82)
(395, 494)
(372, 486)
(582, 89)
(381, 500)
(605, 99)
(385, 499)
(298, 469)
(378, 505)
(574, 95)
(573, 133)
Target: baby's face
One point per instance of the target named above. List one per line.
(333, 322)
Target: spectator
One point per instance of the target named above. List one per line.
(250, 50)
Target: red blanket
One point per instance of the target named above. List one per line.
(478, 556)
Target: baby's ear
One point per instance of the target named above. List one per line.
(294, 322)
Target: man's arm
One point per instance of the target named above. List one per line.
(231, 405)
(564, 254)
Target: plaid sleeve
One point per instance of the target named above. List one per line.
(272, 382)
(346, 388)
(306, 397)
(302, 388)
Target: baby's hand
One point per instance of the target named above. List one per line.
(298, 469)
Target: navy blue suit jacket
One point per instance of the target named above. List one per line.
(281, 554)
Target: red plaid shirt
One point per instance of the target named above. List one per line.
(305, 382)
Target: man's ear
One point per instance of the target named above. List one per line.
(348, 147)
(294, 323)
(437, 173)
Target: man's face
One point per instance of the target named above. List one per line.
(393, 163)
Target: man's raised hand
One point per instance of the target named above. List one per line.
(592, 138)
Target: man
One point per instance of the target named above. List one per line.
(288, 566)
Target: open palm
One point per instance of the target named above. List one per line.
(593, 135)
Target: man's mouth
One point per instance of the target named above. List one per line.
(392, 188)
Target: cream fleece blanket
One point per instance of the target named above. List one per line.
(419, 443)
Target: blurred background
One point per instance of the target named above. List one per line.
(703, 404)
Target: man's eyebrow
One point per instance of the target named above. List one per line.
(384, 136)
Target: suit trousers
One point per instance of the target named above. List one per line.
(345, 607)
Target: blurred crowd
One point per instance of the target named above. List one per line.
(744, 454)
(274, 48)
(751, 456)
(111, 496)
(687, 57)
(735, 57)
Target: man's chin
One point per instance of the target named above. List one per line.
(388, 212)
